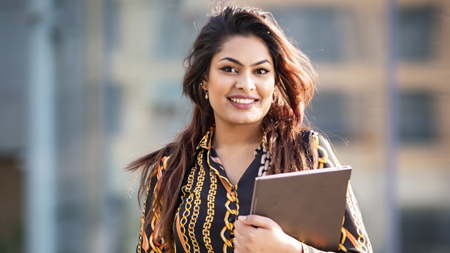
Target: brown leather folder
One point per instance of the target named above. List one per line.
(308, 205)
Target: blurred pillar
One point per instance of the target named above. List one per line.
(393, 238)
(96, 234)
(40, 194)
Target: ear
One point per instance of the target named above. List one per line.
(205, 83)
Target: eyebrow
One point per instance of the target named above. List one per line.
(240, 64)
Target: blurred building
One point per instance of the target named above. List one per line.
(88, 86)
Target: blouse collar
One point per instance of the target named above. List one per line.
(206, 142)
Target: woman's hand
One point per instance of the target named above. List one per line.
(254, 233)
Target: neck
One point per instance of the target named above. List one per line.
(237, 136)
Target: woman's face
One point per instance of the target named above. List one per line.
(241, 81)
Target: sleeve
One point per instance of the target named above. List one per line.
(148, 242)
(354, 237)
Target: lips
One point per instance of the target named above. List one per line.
(242, 100)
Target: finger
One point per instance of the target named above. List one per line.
(258, 221)
(236, 243)
(240, 241)
(238, 224)
(242, 229)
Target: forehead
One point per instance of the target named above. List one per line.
(249, 48)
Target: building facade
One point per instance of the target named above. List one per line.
(88, 86)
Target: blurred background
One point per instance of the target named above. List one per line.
(89, 85)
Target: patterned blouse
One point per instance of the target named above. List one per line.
(209, 204)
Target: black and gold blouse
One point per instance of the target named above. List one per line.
(209, 204)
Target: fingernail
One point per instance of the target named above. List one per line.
(242, 218)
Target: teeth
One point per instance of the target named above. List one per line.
(242, 100)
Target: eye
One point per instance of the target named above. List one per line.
(261, 71)
(228, 69)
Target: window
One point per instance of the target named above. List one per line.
(315, 29)
(416, 116)
(13, 45)
(175, 31)
(425, 231)
(326, 113)
(416, 32)
(170, 107)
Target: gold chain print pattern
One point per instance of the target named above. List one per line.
(143, 239)
(344, 237)
(145, 242)
(188, 205)
(197, 202)
(232, 197)
(319, 161)
(210, 214)
(357, 219)
(208, 203)
(152, 243)
(265, 163)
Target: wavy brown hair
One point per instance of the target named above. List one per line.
(295, 79)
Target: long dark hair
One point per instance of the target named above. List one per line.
(295, 79)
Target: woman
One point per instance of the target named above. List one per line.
(250, 86)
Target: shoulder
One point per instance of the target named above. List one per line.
(162, 165)
(319, 148)
(155, 177)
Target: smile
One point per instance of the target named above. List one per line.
(242, 100)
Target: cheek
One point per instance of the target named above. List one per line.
(268, 91)
(268, 99)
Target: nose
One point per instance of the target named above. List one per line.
(245, 82)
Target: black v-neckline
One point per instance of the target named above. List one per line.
(250, 171)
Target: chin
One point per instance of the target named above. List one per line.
(245, 121)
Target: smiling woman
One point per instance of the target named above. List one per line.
(250, 86)
(240, 82)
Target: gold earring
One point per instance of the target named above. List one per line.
(206, 95)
